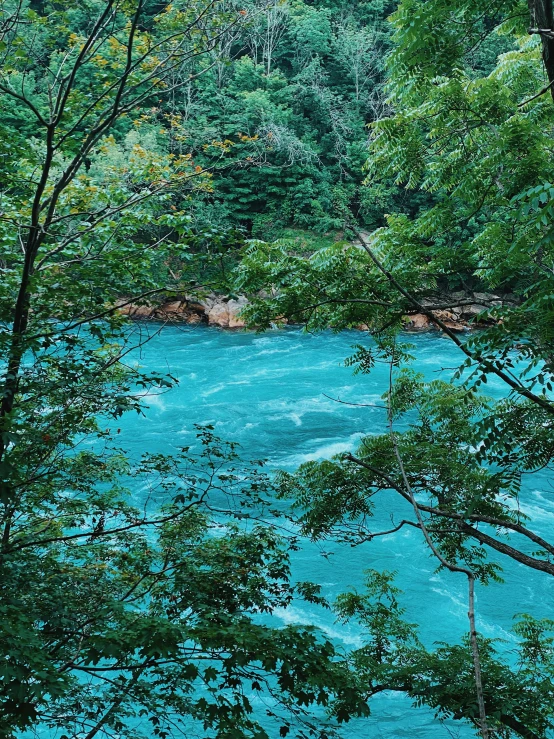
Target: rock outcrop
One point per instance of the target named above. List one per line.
(418, 322)
(461, 317)
(223, 311)
(215, 310)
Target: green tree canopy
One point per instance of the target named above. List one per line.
(470, 135)
(122, 614)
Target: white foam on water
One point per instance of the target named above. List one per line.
(325, 451)
(455, 600)
(265, 340)
(270, 372)
(536, 513)
(296, 418)
(543, 511)
(542, 498)
(459, 607)
(296, 617)
(313, 404)
(269, 352)
(223, 386)
(155, 400)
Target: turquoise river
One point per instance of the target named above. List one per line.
(268, 392)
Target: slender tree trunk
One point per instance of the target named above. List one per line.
(542, 22)
(476, 659)
(483, 723)
(23, 302)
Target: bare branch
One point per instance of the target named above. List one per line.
(483, 725)
(517, 386)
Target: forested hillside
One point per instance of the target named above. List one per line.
(290, 99)
(278, 115)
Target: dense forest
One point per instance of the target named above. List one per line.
(339, 165)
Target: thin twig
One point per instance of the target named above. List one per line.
(483, 725)
(519, 388)
(538, 95)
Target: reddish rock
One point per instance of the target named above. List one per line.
(195, 307)
(218, 315)
(234, 307)
(176, 306)
(457, 326)
(141, 311)
(194, 318)
(418, 322)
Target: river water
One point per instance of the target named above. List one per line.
(268, 392)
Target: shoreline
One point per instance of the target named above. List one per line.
(224, 312)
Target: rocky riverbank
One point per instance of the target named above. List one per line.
(465, 311)
(225, 312)
(214, 310)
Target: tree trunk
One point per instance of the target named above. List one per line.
(542, 22)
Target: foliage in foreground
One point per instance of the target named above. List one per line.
(135, 599)
(476, 139)
(117, 615)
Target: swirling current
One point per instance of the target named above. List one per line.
(276, 394)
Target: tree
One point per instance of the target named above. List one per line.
(309, 170)
(357, 52)
(118, 616)
(471, 134)
(268, 24)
